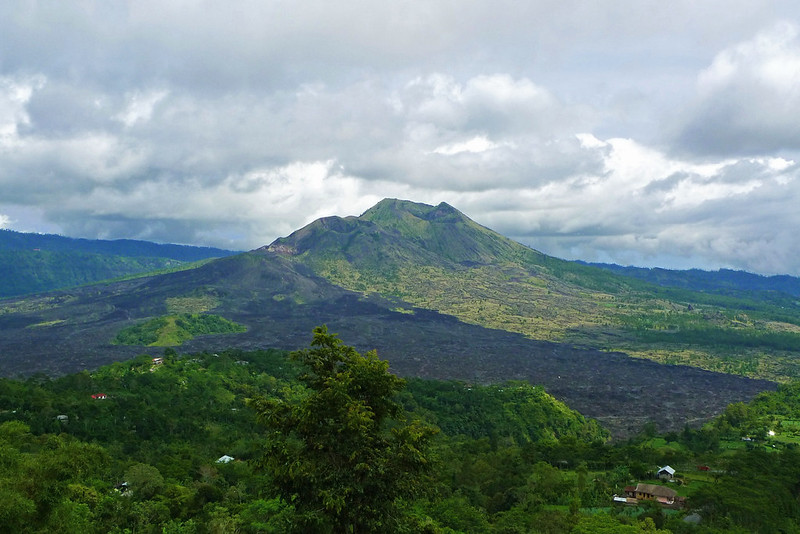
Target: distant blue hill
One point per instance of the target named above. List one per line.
(721, 281)
(11, 240)
(32, 263)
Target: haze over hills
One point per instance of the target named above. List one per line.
(438, 296)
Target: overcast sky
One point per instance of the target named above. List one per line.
(639, 132)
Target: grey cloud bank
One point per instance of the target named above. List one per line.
(632, 132)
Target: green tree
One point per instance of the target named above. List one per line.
(144, 480)
(340, 449)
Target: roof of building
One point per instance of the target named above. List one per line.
(667, 469)
(656, 490)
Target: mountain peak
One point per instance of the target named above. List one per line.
(394, 213)
(403, 230)
(397, 205)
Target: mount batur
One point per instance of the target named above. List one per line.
(439, 296)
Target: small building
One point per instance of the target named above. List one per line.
(703, 468)
(654, 492)
(158, 361)
(665, 472)
(224, 459)
(99, 396)
(63, 419)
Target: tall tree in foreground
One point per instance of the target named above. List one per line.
(339, 449)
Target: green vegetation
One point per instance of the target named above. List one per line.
(25, 272)
(192, 304)
(31, 263)
(523, 413)
(343, 446)
(723, 281)
(173, 330)
(340, 449)
(166, 270)
(163, 428)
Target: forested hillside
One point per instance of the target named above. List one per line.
(723, 281)
(172, 444)
(11, 240)
(31, 263)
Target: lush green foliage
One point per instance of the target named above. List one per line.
(26, 271)
(172, 330)
(515, 410)
(340, 449)
(162, 427)
(509, 458)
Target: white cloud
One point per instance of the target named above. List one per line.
(749, 97)
(139, 106)
(646, 207)
(15, 93)
(475, 145)
(233, 123)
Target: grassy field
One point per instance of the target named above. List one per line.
(173, 330)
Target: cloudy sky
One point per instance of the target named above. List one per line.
(638, 132)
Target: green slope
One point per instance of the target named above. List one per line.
(173, 330)
(23, 271)
(11, 240)
(722, 281)
(33, 263)
(437, 258)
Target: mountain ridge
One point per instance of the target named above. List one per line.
(32, 263)
(436, 294)
(440, 230)
(13, 240)
(702, 280)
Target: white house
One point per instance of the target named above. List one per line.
(666, 472)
